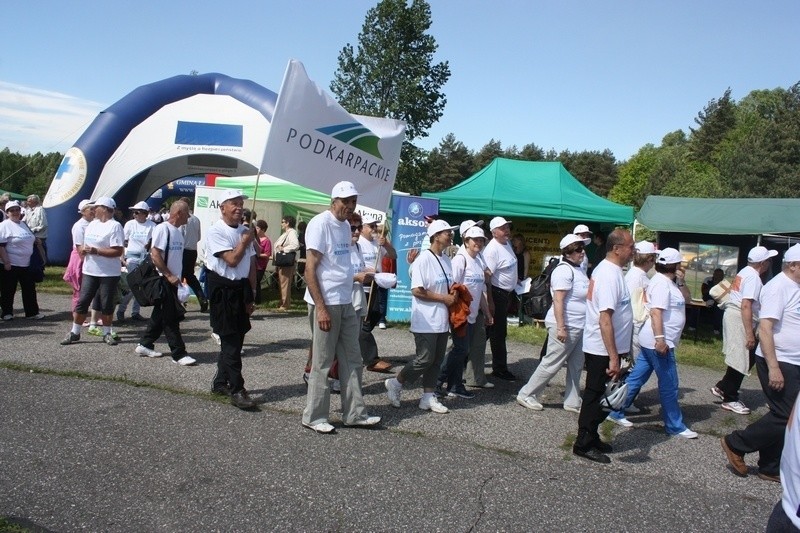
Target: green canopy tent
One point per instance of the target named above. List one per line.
(290, 199)
(529, 189)
(13, 195)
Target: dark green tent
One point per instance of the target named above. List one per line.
(13, 195)
(529, 189)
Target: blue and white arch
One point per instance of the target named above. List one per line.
(180, 126)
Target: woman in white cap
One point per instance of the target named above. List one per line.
(74, 271)
(660, 335)
(564, 320)
(431, 279)
(138, 233)
(16, 247)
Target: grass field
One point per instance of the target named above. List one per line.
(706, 352)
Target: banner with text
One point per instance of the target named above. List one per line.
(408, 232)
(314, 142)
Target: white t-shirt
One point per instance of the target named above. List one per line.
(607, 290)
(747, 284)
(174, 256)
(371, 252)
(469, 271)
(502, 261)
(191, 233)
(574, 281)
(19, 241)
(78, 231)
(780, 300)
(222, 238)
(662, 293)
(790, 467)
(635, 278)
(428, 316)
(106, 234)
(138, 235)
(331, 237)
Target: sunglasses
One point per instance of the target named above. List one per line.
(356, 228)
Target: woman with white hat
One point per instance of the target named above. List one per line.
(565, 321)
(138, 233)
(16, 247)
(659, 336)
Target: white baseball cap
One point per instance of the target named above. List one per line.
(140, 206)
(669, 256)
(646, 247)
(571, 238)
(464, 226)
(368, 218)
(105, 201)
(497, 222)
(232, 194)
(581, 228)
(84, 204)
(343, 189)
(792, 254)
(12, 203)
(759, 253)
(439, 225)
(474, 232)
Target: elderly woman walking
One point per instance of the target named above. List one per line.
(564, 320)
(16, 247)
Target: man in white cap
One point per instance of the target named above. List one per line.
(636, 279)
(329, 283)
(231, 279)
(582, 231)
(778, 367)
(738, 329)
(431, 280)
(502, 263)
(138, 232)
(103, 244)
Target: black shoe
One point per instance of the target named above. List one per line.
(592, 454)
(242, 400)
(138, 318)
(602, 447)
(204, 306)
(222, 390)
(504, 374)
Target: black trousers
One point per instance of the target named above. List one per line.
(229, 364)
(731, 382)
(189, 260)
(8, 289)
(592, 414)
(161, 323)
(765, 435)
(497, 333)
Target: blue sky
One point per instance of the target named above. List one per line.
(562, 74)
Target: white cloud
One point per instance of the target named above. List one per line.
(35, 120)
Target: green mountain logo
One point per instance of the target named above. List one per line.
(356, 135)
(202, 201)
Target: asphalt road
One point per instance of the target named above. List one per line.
(145, 448)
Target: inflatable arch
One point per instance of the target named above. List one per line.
(180, 126)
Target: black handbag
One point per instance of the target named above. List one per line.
(36, 266)
(285, 259)
(144, 281)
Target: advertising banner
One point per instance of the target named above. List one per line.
(314, 142)
(408, 232)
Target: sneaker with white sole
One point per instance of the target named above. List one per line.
(365, 422)
(71, 338)
(185, 361)
(216, 339)
(381, 325)
(109, 339)
(6, 318)
(529, 402)
(432, 404)
(94, 330)
(38, 316)
(622, 421)
(572, 409)
(144, 351)
(393, 392)
(716, 391)
(736, 407)
(323, 428)
(632, 410)
(688, 434)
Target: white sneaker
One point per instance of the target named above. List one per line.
(624, 422)
(529, 402)
(393, 392)
(35, 317)
(688, 434)
(144, 351)
(432, 404)
(185, 361)
(381, 325)
(736, 407)
(572, 409)
(216, 339)
(8, 317)
(322, 427)
(366, 422)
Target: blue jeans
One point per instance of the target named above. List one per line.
(666, 370)
(455, 361)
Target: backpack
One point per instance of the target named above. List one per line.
(145, 282)
(539, 298)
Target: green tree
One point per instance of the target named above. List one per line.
(449, 164)
(391, 73)
(490, 151)
(596, 170)
(634, 175)
(715, 121)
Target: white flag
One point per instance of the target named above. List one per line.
(314, 142)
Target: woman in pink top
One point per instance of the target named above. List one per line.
(264, 252)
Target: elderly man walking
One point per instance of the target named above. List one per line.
(778, 367)
(335, 325)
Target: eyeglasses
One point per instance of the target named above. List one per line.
(356, 228)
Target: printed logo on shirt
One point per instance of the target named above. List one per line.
(737, 284)
(591, 290)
